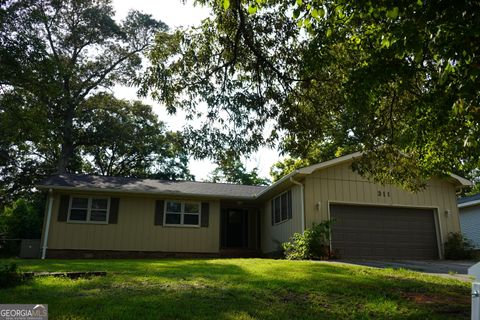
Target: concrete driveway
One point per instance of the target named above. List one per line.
(444, 268)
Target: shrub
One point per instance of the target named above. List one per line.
(9, 248)
(21, 220)
(314, 243)
(10, 276)
(458, 247)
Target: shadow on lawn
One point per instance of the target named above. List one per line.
(222, 289)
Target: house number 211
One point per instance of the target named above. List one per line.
(383, 193)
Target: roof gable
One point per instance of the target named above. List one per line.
(300, 173)
(350, 157)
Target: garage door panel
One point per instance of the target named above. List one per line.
(383, 232)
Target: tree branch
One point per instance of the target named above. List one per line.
(79, 95)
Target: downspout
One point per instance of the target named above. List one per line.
(302, 204)
(47, 224)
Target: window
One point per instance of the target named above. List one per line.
(87, 209)
(182, 213)
(282, 207)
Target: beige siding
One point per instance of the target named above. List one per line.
(273, 236)
(339, 184)
(135, 231)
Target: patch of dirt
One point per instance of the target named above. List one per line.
(294, 297)
(458, 305)
(145, 285)
(422, 298)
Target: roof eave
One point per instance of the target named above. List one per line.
(144, 192)
(463, 182)
(329, 163)
(469, 203)
(277, 183)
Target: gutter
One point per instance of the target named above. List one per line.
(144, 192)
(468, 203)
(47, 224)
(302, 203)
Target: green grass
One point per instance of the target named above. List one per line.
(238, 289)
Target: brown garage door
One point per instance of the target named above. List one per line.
(368, 232)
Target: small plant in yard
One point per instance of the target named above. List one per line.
(314, 243)
(457, 247)
(10, 276)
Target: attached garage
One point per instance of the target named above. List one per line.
(383, 232)
(372, 220)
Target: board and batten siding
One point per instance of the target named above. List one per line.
(339, 184)
(274, 235)
(135, 230)
(470, 223)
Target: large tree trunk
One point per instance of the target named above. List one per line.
(67, 151)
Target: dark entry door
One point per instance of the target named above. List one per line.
(234, 228)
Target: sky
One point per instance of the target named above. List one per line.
(175, 14)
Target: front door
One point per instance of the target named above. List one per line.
(234, 228)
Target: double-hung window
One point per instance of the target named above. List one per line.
(182, 213)
(282, 207)
(88, 209)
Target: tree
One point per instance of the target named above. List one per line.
(281, 168)
(125, 138)
(21, 220)
(396, 80)
(55, 54)
(233, 171)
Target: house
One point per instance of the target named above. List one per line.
(469, 210)
(97, 216)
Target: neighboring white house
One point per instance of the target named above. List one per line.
(469, 209)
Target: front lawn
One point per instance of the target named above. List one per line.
(238, 289)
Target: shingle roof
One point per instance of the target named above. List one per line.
(191, 188)
(120, 184)
(468, 199)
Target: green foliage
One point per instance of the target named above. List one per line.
(314, 243)
(457, 247)
(196, 67)
(233, 171)
(21, 220)
(125, 138)
(397, 81)
(10, 276)
(316, 153)
(286, 166)
(474, 176)
(55, 55)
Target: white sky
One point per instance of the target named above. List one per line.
(176, 14)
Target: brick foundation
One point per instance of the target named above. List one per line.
(116, 254)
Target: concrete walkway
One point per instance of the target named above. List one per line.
(445, 268)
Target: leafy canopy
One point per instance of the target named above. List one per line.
(56, 58)
(397, 80)
(234, 171)
(125, 138)
(21, 220)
